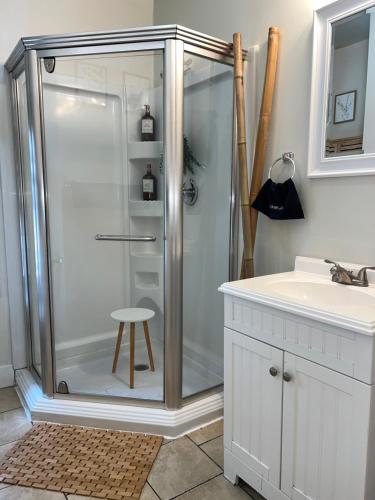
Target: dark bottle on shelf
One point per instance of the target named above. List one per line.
(147, 125)
(149, 185)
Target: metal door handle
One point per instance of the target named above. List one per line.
(287, 377)
(123, 237)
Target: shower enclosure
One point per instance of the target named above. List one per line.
(90, 243)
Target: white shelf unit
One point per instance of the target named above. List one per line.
(140, 154)
(146, 218)
(146, 150)
(140, 208)
(147, 278)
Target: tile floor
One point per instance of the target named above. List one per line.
(188, 468)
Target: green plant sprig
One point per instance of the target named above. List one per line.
(190, 161)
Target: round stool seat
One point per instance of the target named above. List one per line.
(132, 315)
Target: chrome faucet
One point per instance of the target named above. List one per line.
(347, 277)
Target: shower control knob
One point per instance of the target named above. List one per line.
(287, 377)
(273, 371)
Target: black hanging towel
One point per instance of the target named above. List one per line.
(279, 201)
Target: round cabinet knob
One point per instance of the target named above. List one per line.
(287, 377)
(273, 371)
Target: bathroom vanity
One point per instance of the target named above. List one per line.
(299, 396)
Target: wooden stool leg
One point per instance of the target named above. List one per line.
(118, 345)
(132, 343)
(149, 349)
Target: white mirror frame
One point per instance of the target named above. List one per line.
(318, 164)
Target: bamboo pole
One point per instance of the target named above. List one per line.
(264, 124)
(247, 262)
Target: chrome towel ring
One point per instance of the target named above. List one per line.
(286, 158)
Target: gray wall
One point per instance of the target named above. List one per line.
(340, 212)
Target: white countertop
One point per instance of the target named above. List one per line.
(309, 291)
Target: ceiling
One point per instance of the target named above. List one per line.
(350, 30)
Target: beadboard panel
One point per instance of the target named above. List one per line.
(325, 432)
(337, 348)
(253, 403)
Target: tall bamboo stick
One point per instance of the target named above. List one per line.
(264, 124)
(247, 263)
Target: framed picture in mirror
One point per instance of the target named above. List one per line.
(345, 107)
(342, 113)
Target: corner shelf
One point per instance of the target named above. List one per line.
(144, 150)
(146, 208)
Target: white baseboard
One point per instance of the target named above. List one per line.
(170, 423)
(6, 376)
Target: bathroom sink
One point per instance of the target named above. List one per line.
(309, 291)
(322, 293)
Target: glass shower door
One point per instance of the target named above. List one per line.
(105, 240)
(208, 128)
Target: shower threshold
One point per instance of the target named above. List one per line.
(125, 416)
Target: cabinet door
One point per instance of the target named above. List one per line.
(252, 404)
(325, 431)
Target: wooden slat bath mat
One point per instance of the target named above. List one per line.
(89, 462)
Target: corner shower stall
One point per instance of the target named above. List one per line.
(90, 243)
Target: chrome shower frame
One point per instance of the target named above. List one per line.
(174, 41)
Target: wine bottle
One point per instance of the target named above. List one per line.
(147, 125)
(149, 185)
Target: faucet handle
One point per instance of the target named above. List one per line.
(327, 261)
(362, 273)
(335, 264)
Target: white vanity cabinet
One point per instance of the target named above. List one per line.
(325, 431)
(252, 410)
(305, 438)
(299, 407)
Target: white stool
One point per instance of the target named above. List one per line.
(132, 316)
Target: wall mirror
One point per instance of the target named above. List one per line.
(342, 115)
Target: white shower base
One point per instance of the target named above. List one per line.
(120, 416)
(94, 376)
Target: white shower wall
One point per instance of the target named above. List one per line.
(86, 196)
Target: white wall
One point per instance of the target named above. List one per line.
(349, 73)
(339, 211)
(38, 17)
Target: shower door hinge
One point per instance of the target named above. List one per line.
(63, 388)
(49, 64)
